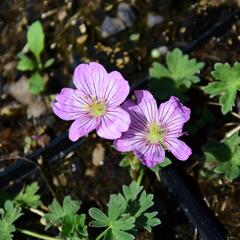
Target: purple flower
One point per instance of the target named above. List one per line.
(95, 104)
(154, 130)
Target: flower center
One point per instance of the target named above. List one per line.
(97, 109)
(155, 134)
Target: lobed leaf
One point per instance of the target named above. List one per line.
(226, 85)
(28, 196)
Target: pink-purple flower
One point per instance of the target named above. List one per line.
(154, 130)
(95, 104)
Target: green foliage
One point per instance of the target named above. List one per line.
(127, 213)
(223, 158)
(25, 63)
(9, 214)
(176, 77)
(35, 42)
(28, 196)
(164, 164)
(35, 38)
(36, 83)
(71, 225)
(226, 85)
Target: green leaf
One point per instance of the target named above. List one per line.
(121, 235)
(126, 212)
(25, 63)
(101, 220)
(226, 84)
(174, 79)
(74, 227)
(223, 158)
(151, 221)
(116, 207)
(9, 214)
(36, 83)
(35, 38)
(28, 197)
(131, 192)
(58, 212)
(49, 62)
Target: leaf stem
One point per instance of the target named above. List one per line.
(140, 177)
(101, 235)
(36, 235)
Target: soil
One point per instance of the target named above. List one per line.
(73, 35)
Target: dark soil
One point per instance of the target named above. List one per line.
(73, 35)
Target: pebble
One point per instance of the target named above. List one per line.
(111, 26)
(125, 18)
(126, 14)
(153, 20)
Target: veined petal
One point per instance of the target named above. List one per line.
(91, 79)
(150, 154)
(116, 89)
(70, 104)
(114, 122)
(172, 116)
(136, 114)
(129, 140)
(178, 148)
(147, 104)
(82, 126)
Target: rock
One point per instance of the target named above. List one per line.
(153, 20)
(111, 26)
(98, 155)
(125, 18)
(126, 14)
(36, 108)
(19, 91)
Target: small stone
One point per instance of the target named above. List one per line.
(98, 155)
(61, 15)
(82, 28)
(80, 40)
(153, 20)
(126, 14)
(111, 26)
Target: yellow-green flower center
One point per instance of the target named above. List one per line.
(97, 109)
(155, 134)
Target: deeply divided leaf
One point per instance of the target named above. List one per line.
(223, 158)
(176, 77)
(8, 215)
(126, 214)
(226, 85)
(28, 196)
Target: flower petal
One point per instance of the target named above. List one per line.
(150, 154)
(147, 104)
(129, 140)
(113, 123)
(116, 89)
(178, 148)
(70, 104)
(91, 79)
(173, 115)
(82, 126)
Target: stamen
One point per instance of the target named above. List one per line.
(155, 134)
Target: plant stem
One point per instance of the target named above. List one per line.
(140, 177)
(36, 235)
(37, 211)
(100, 236)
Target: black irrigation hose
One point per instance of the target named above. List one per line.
(194, 207)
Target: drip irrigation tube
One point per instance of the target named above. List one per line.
(194, 207)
